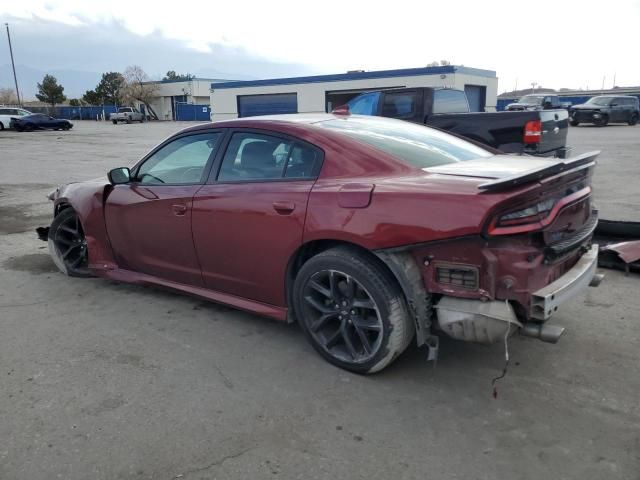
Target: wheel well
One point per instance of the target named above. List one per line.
(313, 248)
(59, 208)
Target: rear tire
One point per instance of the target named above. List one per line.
(28, 127)
(1, 126)
(115, 122)
(67, 244)
(351, 310)
(574, 123)
(633, 120)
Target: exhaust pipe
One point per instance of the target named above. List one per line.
(541, 331)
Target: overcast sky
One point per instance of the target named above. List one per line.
(553, 43)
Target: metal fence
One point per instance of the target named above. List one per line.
(76, 113)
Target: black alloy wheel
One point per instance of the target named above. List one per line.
(67, 244)
(342, 316)
(352, 310)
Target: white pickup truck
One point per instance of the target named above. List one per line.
(126, 114)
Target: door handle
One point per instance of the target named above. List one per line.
(284, 208)
(179, 209)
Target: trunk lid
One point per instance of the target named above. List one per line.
(539, 194)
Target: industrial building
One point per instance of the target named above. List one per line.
(322, 93)
(183, 99)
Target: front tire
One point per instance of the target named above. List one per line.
(67, 244)
(602, 121)
(574, 123)
(352, 310)
(633, 120)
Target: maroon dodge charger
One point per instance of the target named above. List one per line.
(366, 231)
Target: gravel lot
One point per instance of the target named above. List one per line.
(102, 380)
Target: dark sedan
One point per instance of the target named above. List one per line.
(39, 121)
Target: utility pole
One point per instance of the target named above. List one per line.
(13, 65)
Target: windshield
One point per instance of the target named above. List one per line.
(600, 100)
(416, 145)
(532, 99)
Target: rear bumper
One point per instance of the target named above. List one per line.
(546, 301)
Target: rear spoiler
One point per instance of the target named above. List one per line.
(579, 162)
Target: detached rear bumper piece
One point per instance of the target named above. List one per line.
(546, 301)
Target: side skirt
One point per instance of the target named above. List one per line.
(127, 276)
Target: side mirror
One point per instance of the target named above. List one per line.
(547, 105)
(119, 176)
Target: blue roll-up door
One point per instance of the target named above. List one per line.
(253, 105)
(476, 95)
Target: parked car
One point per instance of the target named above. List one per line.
(605, 109)
(39, 121)
(368, 231)
(538, 102)
(127, 114)
(542, 133)
(7, 112)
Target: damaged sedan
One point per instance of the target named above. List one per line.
(367, 231)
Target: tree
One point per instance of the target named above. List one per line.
(110, 88)
(172, 75)
(92, 98)
(8, 96)
(74, 102)
(139, 88)
(49, 91)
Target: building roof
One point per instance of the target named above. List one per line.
(404, 72)
(212, 80)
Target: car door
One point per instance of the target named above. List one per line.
(149, 219)
(5, 117)
(616, 107)
(248, 219)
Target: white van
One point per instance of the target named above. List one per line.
(7, 112)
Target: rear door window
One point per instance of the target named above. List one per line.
(257, 157)
(450, 101)
(399, 105)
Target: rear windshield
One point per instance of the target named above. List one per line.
(420, 146)
(531, 100)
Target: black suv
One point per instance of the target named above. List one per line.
(603, 109)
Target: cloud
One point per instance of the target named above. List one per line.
(78, 53)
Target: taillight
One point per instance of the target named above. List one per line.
(531, 214)
(532, 132)
(536, 216)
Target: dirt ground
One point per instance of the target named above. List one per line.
(102, 380)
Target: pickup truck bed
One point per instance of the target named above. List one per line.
(505, 130)
(534, 132)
